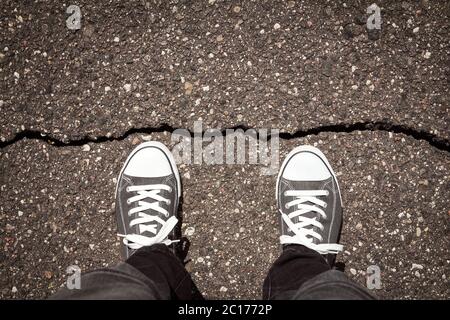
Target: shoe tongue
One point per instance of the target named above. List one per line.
(137, 181)
(307, 185)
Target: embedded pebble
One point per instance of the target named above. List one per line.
(127, 87)
(189, 231)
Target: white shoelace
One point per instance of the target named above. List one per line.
(302, 234)
(136, 241)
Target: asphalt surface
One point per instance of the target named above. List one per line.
(58, 210)
(157, 66)
(288, 65)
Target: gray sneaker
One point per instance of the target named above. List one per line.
(147, 197)
(309, 201)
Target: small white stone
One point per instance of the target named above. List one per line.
(91, 246)
(353, 271)
(200, 260)
(354, 87)
(223, 289)
(127, 87)
(427, 55)
(17, 75)
(107, 88)
(276, 26)
(20, 213)
(1, 103)
(416, 29)
(14, 289)
(189, 231)
(205, 88)
(416, 266)
(147, 138)
(116, 39)
(86, 148)
(418, 232)
(354, 68)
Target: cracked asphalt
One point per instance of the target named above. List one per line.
(289, 65)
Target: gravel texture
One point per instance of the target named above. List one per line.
(137, 67)
(57, 209)
(284, 64)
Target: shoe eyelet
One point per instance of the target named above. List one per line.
(127, 189)
(325, 205)
(170, 189)
(328, 193)
(128, 201)
(169, 202)
(287, 206)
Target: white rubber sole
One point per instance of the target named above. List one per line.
(306, 148)
(165, 150)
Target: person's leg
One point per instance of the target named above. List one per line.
(167, 271)
(147, 198)
(309, 201)
(296, 265)
(151, 273)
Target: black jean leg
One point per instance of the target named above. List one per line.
(168, 273)
(296, 265)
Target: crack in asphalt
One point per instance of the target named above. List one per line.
(432, 139)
